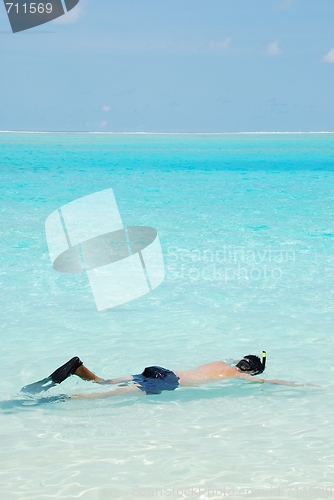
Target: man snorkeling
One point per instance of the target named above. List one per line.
(155, 379)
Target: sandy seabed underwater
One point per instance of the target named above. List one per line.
(246, 227)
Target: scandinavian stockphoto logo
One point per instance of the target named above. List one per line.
(25, 14)
(122, 263)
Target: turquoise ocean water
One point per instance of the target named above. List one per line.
(247, 232)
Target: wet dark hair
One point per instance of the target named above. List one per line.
(251, 363)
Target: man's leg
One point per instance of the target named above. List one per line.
(86, 374)
(122, 391)
(73, 367)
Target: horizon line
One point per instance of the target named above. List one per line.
(158, 133)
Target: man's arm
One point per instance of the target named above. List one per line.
(245, 376)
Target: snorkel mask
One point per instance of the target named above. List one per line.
(253, 365)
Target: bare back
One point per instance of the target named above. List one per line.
(204, 373)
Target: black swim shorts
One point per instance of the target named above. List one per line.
(156, 379)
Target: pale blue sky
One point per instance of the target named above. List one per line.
(172, 66)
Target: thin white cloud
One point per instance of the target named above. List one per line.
(106, 108)
(285, 4)
(70, 17)
(103, 124)
(273, 49)
(221, 45)
(329, 57)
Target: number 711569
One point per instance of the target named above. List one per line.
(32, 8)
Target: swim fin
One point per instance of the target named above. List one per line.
(58, 376)
(40, 386)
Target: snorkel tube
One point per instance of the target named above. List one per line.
(264, 359)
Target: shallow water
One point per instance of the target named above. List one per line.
(246, 227)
